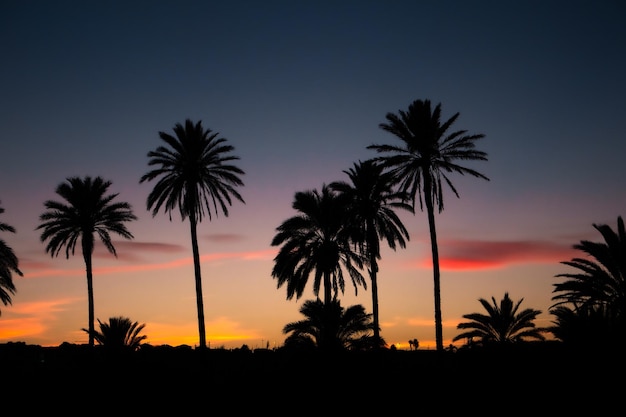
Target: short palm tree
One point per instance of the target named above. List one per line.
(316, 241)
(371, 203)
(89, 211)
(195, 175)
(502, 325)
(421, 163)
(329, 327)
(9, 265)
(598, 289)
(120, 333)
(586, 327)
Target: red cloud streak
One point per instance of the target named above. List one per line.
(478, 255)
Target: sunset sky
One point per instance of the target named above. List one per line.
(299, 88)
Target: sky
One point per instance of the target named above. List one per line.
(299, 88)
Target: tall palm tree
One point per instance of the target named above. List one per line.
(195, 174)
(316, 241)
(423, 160)
(89, 211)
(120, 333)
(329, 327)
(503, 324)
(598, 288)
(9, 264)
(371, 201)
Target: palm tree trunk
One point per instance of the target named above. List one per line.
(435, 251)
(373, 277)
(372, 244)
(198, 277)
(87, 251)
(327, 289)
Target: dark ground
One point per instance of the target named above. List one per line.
(164, 380)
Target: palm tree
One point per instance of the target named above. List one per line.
(9, 264)
(120, 333)
(502, 325)
(329, 327)
(89, 212)
(598, 289)
(372, 201)
(586, 327)
(194, 174)
(316, 241)
(425, 157)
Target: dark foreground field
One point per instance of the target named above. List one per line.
(163, 380)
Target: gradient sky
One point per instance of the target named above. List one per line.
(299, 89)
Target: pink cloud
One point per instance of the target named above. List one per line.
(48, 270)
(479, 254)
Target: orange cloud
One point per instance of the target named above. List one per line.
(29, 319)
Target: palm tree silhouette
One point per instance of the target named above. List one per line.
(586, 327)
(120, 333)
(9, 264)
(502, 324)
(598, 289)
(371, 204)
(89, 212)
(194, 174)
(424, 159)
(316, 241)
(329, 327)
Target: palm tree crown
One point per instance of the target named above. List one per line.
(371, 203)
(422, 163)
(120, 333)
(195, 175)
(89, 211)
(502, 324)
(316, 241)
(9, 264)
(598, 288)
(329, 327)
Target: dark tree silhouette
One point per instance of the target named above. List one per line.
(502, 325)
(426, 155)
(120, 333)
(371, 203)
(316, 241)
(329, 326)
(195, 175)
(586, 327)
(89, 212)
(597, 291)
(9, 265)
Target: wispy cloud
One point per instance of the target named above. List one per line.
(31, 319)
(224, 238)
(43, 270)
(129, 251)
(481, 254)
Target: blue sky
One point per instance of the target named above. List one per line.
(299, 88)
